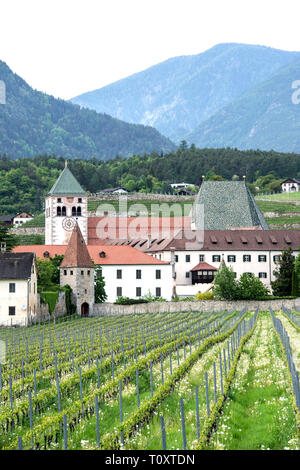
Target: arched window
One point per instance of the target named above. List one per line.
(58, 211)
(78, 211)
(63, 211)
(73, 211)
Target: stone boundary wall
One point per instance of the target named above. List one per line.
(141, 197)
(29, 231)
(43, 309)
(201, 306)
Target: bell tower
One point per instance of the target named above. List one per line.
(77, 270)
(65, 206)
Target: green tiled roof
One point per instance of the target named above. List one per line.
(66, 185)
(227, 204)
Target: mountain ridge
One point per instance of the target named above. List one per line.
(177, 95)
(267, 102)
(32, 123)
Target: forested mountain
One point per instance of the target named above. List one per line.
(25, 182)
(265, 117)
(32, 123)
(177, 95)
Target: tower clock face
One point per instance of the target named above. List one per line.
(69, 224)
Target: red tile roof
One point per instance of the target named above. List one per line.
(122, 228)
(204, 266)
(114, 255)
(77, 254)
(228, 240)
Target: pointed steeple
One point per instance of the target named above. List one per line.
(66, 185)
(77, 255)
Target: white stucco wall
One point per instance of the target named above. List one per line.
(240, 267)
(19, 300)
(129, 283)
(287, 187)
(55, 233)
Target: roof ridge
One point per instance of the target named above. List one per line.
(77, 254)
(66, 184)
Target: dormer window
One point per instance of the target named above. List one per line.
(46, 254)
(102, 254)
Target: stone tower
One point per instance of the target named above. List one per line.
(65, 206)
(77, 270)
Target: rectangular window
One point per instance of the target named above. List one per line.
(262, 258)
(71, 273)
(176, 258)
(187, 258)
(65, 272)
(89, 273)
(231, 258)
(262, 275)
(157, 274)
(201, 258)
(11, 310)
(158, 292)
(276, 258)
(246, 258)
(216, 258)
(119, 291)
(82, 273)
(138, 274)
(138, 292)
(12, 287)
(187, 274)
(119, 273)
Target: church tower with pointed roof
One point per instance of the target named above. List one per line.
(77, 270)
(65, 206)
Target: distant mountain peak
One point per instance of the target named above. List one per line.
(179, 95)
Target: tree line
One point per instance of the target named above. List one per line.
(24, 182)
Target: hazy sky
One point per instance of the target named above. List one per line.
(67, 47)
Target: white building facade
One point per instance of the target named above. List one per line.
(136, 281)
(18, 288)
(245, 251)
(65, 206)
(290, 185)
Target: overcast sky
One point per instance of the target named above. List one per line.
(68, 47)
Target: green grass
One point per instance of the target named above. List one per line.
(274, 206)
(280, 197)
(282, 220)
(259, 413)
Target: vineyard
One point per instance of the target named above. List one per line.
(191, 380)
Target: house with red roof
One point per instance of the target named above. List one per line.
(127, 272)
